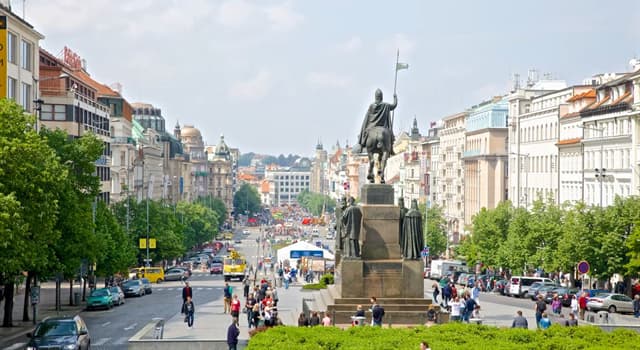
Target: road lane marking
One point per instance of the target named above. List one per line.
(16, 346)
(106, 324)
(121, 340)
(131, 327)
(101, 341)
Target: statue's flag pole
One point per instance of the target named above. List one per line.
(399, 66)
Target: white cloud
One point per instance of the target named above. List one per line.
(399, 41)
(352, 45)
(252, 89)
(327, 80)
(235, 13)
(283, 17)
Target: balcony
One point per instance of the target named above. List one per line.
(121, 140)
(471, 153)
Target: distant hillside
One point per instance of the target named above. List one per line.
(246, 159)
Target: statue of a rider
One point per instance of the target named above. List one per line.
(378, 114)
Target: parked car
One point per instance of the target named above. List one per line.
(216, 268)
(463, 278)
(67, 332)
(238, 241)
(133, 288)
(500, 287)
(100, 298)
(544, 290)
(147, 286)
(176, 274)
(564, 293)
(117, 295)
(532, 292)
(611, 302)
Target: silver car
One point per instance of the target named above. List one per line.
(117, 295)
(176, 274)
(611, 302)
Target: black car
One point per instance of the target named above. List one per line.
(133, 288)
(147, 285)
(60, 333)
(564, 293)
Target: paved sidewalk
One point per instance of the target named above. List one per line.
(46, 308)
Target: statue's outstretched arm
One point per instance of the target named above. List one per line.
(395, 102)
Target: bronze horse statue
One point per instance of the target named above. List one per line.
(379, 141)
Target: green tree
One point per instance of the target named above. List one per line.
(30, 182)
(245, 159)
(314, 203)
(490, 230)
(200, 224)
(435, 236)
(216, 204)
(576, 241)
(117, 252)
(246, 199)
(545, 228)
(513, 253)
(78, 195)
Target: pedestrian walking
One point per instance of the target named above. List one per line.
(582, 303)
(556, 305)
(469, 307)
(456, 308)
(235, 306)
(572, 321)
(436, 292)
(187, 292)
(326, 320)
(636, 306)
(446, 294)
(251, 301)
(232, 334)
(574, 305)
(246, 283)
(519, 321)
(545, 322)
(189, 311)
(540, 308)
(303, 321)
(377, 312)
(315, 319)
(227, 290)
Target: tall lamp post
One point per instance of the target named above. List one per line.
(526, 181)
(600, 172)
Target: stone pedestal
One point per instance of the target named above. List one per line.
(380, 271)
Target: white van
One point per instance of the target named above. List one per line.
(519, 285)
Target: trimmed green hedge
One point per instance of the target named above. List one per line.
(452, 336)
(314, 286)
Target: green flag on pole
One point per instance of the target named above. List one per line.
(400, 66)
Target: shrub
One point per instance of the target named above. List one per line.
(326, 279)
(452, 336)
(314, 286)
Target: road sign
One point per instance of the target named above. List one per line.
(152, 243)
(583, 267)
(143, 243)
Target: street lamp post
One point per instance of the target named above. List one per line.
(600, 172)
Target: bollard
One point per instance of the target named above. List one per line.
(158, 331)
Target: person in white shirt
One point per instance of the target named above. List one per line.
(574, 305)
(456, 306)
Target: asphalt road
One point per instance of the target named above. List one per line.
(111, 329)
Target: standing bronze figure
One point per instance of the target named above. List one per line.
(413, 240)
(376, 134)
(403, 213)
(339, 210)
(352, 222)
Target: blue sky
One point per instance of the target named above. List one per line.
(274, 76)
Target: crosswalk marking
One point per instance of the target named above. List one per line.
(121, 340)
(16, 346)
(101, 341)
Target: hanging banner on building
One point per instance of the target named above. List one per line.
(3, 56)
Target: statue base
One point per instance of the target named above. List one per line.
(398, 284)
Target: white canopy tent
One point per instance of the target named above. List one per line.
(301, 249)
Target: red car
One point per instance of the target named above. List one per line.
(216, 268)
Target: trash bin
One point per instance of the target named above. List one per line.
(76, 298)
(603, 317)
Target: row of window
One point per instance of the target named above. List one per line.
(611, 159)
(26, 51)
(610, 128)
(293, 177)
(296, 183)
(539, 132)
(25, 93)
